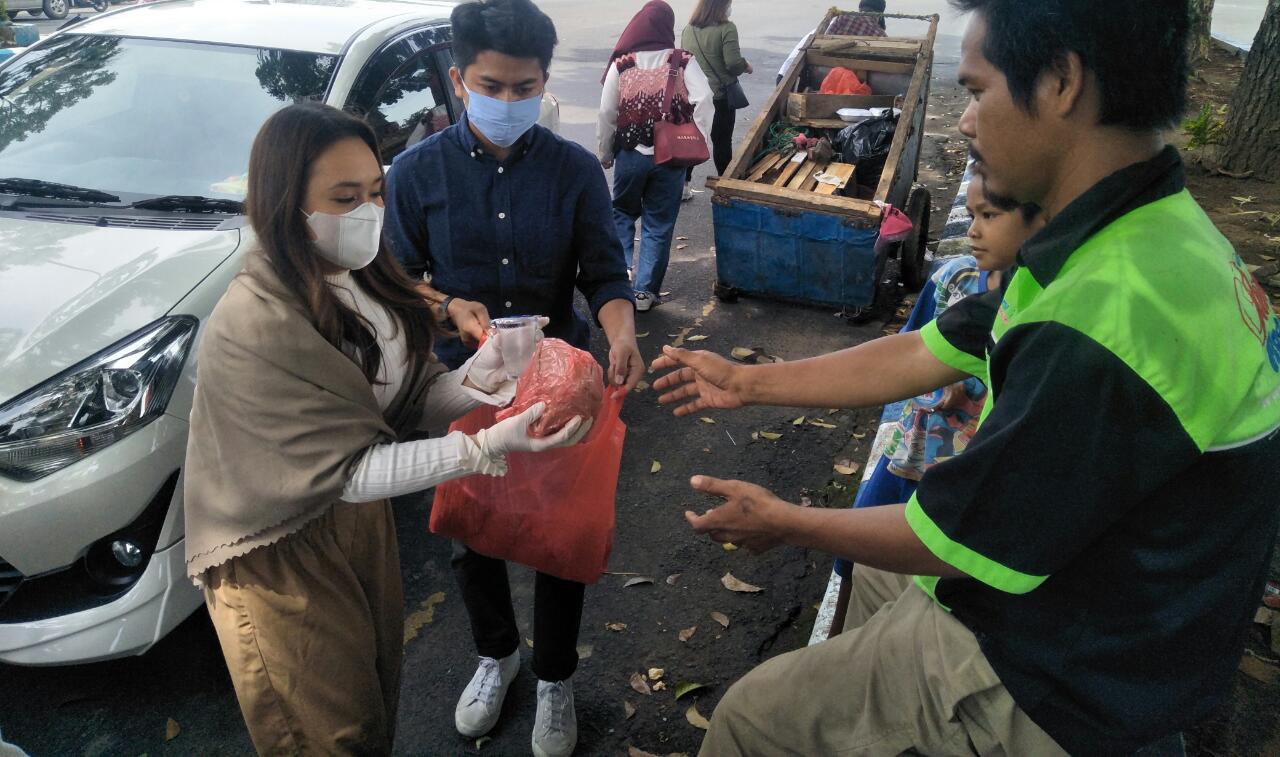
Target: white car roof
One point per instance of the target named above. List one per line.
(318, 26)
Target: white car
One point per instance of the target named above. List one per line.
(124, 142)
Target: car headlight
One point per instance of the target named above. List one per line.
(96, 403)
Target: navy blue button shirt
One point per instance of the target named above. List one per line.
(517, 236)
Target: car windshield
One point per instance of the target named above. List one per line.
(141, 118)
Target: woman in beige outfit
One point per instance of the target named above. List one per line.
(313, 367)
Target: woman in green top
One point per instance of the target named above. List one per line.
(713, 40)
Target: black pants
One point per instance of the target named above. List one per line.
(721, 137)
(557, 613)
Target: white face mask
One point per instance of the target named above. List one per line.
(350, 240)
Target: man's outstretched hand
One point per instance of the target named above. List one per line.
(700, 380)
(748, 517)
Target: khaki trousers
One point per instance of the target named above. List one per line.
(312, 628)
(905, 677)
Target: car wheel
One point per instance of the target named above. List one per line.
(55, 9)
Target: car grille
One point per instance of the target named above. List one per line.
(133, 222)
(10, 577)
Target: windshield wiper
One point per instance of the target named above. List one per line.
(190, 204)
(49, 189)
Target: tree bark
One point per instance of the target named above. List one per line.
(1252, 139)
(1201, 39)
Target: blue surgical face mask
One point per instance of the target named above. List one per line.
(500, 121)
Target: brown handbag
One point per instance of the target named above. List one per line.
(677, 144)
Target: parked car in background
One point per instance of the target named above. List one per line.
(54, 9)
(124, 143)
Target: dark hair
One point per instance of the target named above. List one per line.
(872, 6)
(710, 13)
(511, 27)
(1029, 210)
(1136, 49)
(279, 170)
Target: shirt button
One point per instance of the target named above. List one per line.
(501, 169)
(502, 215)
(506, 262)
(508, 303)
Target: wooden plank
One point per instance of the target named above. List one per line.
(806, 171)
(790, 169)
(842, 170)
(849, 207)
(912, 114)
(817, 105)
(854, 63)
(764, 166)
(872, 47)
(817, 123)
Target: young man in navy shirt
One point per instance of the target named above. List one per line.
(509, 219)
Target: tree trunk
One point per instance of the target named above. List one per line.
(1252, 139)
(1201, 25)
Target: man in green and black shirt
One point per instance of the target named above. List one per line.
(1085, 570)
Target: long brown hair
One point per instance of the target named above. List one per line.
(279, 171)
(710, 13)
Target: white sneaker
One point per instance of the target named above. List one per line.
(644, 301)
(481, 702)
(555, 731)
(688, 193)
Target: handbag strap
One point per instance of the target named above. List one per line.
(721, 80)
(669, 93)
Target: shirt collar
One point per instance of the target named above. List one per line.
(1123, 191)
(471, 143)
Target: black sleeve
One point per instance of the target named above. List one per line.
(1074, 439)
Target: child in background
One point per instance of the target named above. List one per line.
(939, 425)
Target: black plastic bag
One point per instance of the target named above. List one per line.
(867, 144)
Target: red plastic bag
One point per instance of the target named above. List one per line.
(553, 511)
(842, 81)
(894, 224)
(568, 379)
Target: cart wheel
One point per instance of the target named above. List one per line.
(915, 246)
(726, 293)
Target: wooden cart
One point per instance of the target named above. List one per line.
(793, 227)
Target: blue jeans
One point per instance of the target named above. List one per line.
(641, 188)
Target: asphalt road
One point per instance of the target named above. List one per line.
(124, 707)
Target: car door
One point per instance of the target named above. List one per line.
(404, 90)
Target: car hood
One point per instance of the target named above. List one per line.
(69, 290)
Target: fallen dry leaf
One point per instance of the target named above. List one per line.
(733, 584)
(656, 674)
(642, 336)
(696, 338)
(720, 618)
(729, 546)
(1259, 670)
(528, 641)
(616, 627)
(771, 436)
(637, 582)
(688, 633)
(673, 579)
(682, 239)
(741, 353)
(687, 687)
(628, 712)
(657, 466)
(585, 651)
(423, 616)
(822, 424)
(845, 470)
(681, 246)
(695, 718)
(660, 686)
(642, 386)
(640, 684)
(860, 436)
(798, 421)
(171, 730)
(704, 419)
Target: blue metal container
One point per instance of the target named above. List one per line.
(796, 255)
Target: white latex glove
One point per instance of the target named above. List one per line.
(487, 372)
(512, 435)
